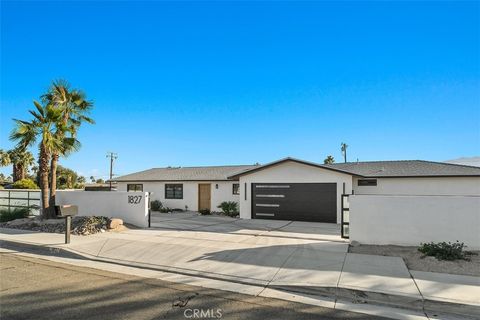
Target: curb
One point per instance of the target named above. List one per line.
(338, 294)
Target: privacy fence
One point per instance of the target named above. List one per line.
(11, 199)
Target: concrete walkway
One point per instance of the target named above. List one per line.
(267, 258)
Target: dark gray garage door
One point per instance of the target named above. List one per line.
(295, 201)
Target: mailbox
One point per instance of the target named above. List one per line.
(67, 210)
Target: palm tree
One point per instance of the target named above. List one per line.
(344, 147)
(329, 160)
(4, 158)
(43, 127)
(74, 108)
(21, 160)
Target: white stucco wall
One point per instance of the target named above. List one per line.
(422, 186)
(108, 203)
(190, 193)
(410, 220)
(292, 172)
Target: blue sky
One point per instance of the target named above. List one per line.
(194, 83)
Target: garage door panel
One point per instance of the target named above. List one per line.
(295, 201)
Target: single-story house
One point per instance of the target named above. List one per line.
(293, 189)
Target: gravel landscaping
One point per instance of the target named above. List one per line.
(415, 260)
(80, 225)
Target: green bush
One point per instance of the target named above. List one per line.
(205, 212)
(444, 250)
(12, 214)
(156, 205)
(229, 208)
(24, 184)
(165, 209)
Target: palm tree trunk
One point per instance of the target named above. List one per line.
(14, 172)
(53, 182)
(43, 163)
(20, 171)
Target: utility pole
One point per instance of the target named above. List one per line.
(112, 157)
(344, 147)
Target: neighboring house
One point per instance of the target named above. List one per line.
(292, 189)
(468, 161)
(100, 187)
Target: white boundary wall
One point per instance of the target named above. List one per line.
(112, 204)
(410, 220)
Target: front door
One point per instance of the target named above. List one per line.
(204, 190)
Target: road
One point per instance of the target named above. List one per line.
(34, 288)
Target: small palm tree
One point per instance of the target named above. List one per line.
(43, 127)
(75, 109)
(4, 158)
(21, 160)
(344, 147)
(329, 160)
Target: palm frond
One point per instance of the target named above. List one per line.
(70, 145)
(86, 119)
(40, 109)
(24, 133)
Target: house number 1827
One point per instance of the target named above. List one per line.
(134, 199)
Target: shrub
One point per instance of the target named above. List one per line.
(24, 184)
(165, 209)
(444, 250)
(229, 208)
(17, 213)
(205, 212)
(156, 205)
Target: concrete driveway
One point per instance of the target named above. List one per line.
(264, 252)
(192, 221)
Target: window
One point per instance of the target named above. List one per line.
(174, 191)
(367, 182)
(134, 187)
(236, 188)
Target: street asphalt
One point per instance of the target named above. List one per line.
(32, 288)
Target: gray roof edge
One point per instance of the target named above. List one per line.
(170, 180)
(428, 176)
(274, 163)
(419, 160)
(351, 166)
(451, 164)
(126, 177)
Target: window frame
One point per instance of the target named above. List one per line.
(135, 187)
(237, 185)
(367, 182)
(174, 186)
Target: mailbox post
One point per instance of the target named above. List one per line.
(68, 226)
(67, 211)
